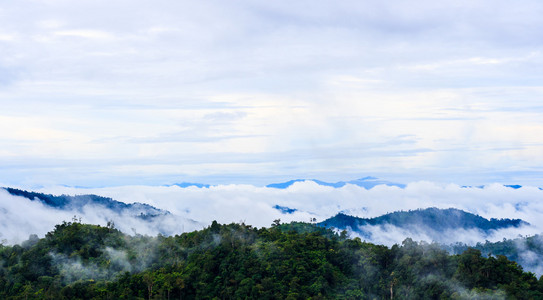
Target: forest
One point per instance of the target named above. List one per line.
(238, 261)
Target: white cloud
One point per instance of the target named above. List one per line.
(302, 89)
(21, 217)
(254, 205)
(194, 208)
(85, 33)
(6, 37)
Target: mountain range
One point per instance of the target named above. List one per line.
(432, 222)
(78, 202)
(367, 182)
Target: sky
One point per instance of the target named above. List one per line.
(110, 93)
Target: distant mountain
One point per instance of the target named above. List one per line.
(513, 186)
(433, 222)
(77, 202)
(189, 184)
(284, 185)
(284, 209)
(366, 182)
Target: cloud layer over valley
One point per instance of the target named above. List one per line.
(194, 208)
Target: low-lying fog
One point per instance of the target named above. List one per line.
(193, 208)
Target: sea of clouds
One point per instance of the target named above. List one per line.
(194, 208)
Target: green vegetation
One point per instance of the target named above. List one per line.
(527, 251)
(237, 261)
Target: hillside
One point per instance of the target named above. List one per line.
(237, 261)
(527, 251)
(78, 202)
(433, 222)
(435, 218)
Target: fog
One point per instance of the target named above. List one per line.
(21, 217)
(194, 208)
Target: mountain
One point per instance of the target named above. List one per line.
(284, 185)
(189, 184)
(284, 209)
(432, 222)
(366, 182)
(67, 202)
(512, 186)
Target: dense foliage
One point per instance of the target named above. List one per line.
(237, 261)
(527, 251)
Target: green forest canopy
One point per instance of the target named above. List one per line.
(238, 261)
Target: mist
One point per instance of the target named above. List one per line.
(194, 208)
(21, 217)
(255, 205)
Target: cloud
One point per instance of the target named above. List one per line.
(115, 84)
(21, 217)
(390, 234)
(194, 208)
(255, 205)
(90, 34)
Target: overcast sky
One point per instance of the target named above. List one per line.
(99, 93)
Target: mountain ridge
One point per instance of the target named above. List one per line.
(433, 221)
(367, 182)
(77, 202)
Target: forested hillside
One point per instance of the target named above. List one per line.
(237, 261)
(444, 226)
(78, 202)
(527, 251)
(290, 261)
(428, 218)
